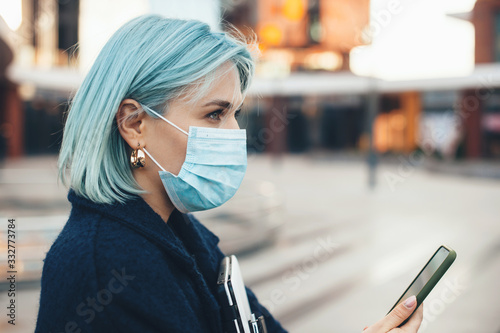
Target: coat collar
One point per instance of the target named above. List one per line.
(136, 214)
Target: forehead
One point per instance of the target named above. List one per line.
(224, 85)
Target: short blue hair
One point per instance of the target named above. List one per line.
(152, 60)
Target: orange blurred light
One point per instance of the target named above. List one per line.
(397, 121)
(271, 34)
(294, 10)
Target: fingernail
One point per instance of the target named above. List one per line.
(410, 302)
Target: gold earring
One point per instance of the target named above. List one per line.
(137, 158)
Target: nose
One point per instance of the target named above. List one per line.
(231, 124)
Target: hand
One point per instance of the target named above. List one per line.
(390, 323)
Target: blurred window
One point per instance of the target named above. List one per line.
(496, 47)
(68, 23)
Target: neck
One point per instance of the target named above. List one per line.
(156, 196)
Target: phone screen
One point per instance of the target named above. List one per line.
(425, 275)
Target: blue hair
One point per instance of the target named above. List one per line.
(152, 60)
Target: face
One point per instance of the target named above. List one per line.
(218, 108)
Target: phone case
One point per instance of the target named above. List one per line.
(450, 258)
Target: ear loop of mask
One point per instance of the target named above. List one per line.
(168, 121)
(171, 123)
(152, 158)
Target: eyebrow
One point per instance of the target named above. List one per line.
(222, 103)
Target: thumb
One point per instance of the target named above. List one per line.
(399, 314)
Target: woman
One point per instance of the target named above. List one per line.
(152, 135)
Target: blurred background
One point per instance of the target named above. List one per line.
(373, 135)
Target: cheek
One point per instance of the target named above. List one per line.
(169, 149)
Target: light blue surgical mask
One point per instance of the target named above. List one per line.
(215, 164)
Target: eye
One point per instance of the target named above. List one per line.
(215, 115)
(237, 113)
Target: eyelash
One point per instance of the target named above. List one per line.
(217, 114)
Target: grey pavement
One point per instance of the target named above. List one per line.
(345, 253)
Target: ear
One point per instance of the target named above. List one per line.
(130, 121)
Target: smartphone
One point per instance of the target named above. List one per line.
(428, 277)
(235, 309)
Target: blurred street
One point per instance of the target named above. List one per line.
(345, 253)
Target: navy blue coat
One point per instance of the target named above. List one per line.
(121, 268)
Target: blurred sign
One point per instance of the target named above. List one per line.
(491, 122)
(337, 25)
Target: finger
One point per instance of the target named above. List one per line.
(399, 314)
(364, 329)
(415, 321)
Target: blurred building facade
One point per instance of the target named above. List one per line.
(297, 35)
(304, 96)
(482, 125)
(314, 38)
(54, 43)
(443, 117)
(10, 108)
